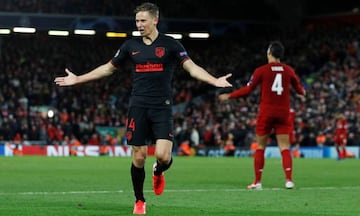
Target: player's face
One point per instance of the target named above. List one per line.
(145, 23)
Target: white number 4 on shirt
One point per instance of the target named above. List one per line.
(277, 84)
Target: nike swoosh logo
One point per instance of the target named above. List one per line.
(135, 52)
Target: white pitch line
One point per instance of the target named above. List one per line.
(175, 191)
(60, 192)
(266, 189)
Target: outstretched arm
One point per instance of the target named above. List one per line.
(72, 79)
(302, 96)
(224, 96)
(201, 74)
(237, 93)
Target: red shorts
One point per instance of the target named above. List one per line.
(265, 124)
(340, 139)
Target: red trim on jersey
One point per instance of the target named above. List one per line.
(184, 60)
(111, 62)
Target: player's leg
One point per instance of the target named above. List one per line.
(136, 133)
(343, 148)
(138, 177)
(162, 126)
(338, 147)
(263, 129)
(137, 170)
(343, 151)
(284, 146)
(282, 128)
(259, 161)
(163, 162)
(163, 154)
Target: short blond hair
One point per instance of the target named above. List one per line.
(153, 9)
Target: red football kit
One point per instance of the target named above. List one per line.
(275, 80)
(341, 132)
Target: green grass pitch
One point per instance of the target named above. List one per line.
(194, 186)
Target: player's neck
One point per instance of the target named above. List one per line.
(273, 60)
(149, 39)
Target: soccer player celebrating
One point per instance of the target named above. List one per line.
(275, 80)
(153, 56)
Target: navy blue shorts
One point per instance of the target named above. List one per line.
(146, 125)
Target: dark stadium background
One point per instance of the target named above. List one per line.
(317, 36)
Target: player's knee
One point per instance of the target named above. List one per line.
(163, 157)
(139, 156)
(139, 161)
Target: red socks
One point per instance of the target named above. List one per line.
(287, 163)
(259, 163)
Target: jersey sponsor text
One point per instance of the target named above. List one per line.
(149, 67)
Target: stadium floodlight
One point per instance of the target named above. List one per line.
(24, 30)
(50, 113)
(5, 31)
(84, 32)
(199, 35)
(175, 36)
(116, 34)
(58, 33)
(135, 33)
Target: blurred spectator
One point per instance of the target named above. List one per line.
(74, 144)
(296, 152)
(94, 140)
(341, 135)
(229, 146)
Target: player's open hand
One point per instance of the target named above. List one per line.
(224, 97)
(301, 97)
(222, 81)
(68, 80)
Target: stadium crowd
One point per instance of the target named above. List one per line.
(201, 9)
(326, 59)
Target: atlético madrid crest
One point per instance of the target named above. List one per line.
(160, 52)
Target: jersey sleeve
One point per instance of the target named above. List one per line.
(251, 85)
(120, 55)
(180, 52)
(240, 92)
(297, 84)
